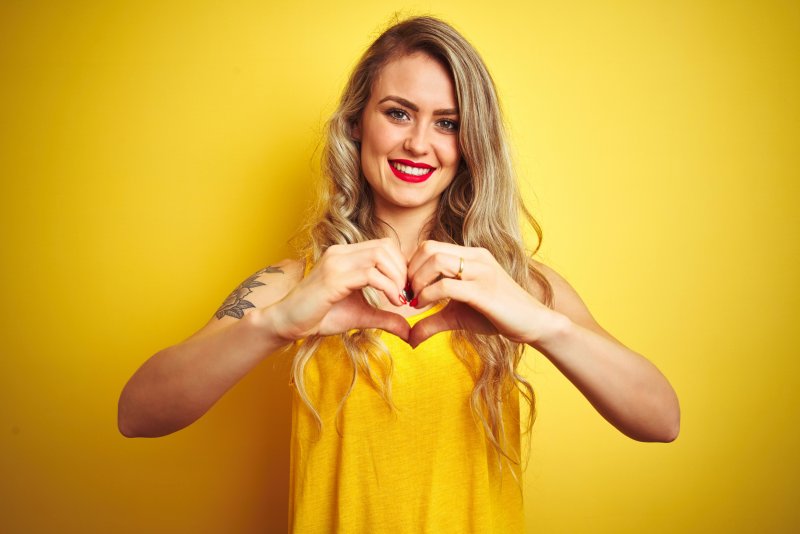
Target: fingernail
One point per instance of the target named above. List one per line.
(403, 299)
(413, 302)
(408, 291)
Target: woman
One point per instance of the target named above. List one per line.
(419, 225)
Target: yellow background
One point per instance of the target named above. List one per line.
(154, 154)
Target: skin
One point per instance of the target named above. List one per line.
(409, 117)
(278, 305)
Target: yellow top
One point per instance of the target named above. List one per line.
(425, 467)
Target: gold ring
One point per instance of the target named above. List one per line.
(460, 269)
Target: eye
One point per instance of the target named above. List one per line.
(449, 125)
(397, 114)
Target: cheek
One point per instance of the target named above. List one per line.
(375, 134)
(452, 154)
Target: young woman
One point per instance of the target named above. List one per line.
(409, 309)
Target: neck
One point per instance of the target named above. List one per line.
(404, 225)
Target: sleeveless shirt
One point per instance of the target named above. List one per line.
(423, 466)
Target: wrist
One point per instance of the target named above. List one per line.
(269, 322)
(556, 328)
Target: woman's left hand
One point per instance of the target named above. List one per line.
(627, 389)
(484, 299)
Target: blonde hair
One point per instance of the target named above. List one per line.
(482, 207)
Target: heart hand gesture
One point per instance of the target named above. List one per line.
(483, 297)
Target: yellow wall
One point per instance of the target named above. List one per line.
(153, 156)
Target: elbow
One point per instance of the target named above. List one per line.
(673, 428)
(125, 430)
(657, 421)
(668, 433)
(128, 428)
(124, 423)
(668, 427)
(134, 421)
(131, 420)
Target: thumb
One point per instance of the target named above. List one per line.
(388, 321)
(455, 316)
(438, 322)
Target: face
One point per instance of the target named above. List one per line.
(409, 135)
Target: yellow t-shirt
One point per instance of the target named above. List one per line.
(425, 467)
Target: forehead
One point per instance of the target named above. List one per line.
(416, 77)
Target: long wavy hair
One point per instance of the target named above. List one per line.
(482, 207)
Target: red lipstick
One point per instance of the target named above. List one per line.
(408, 177)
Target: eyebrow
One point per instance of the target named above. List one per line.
(413, 107)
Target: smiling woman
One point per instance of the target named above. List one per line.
(410, 306)
(411, 113)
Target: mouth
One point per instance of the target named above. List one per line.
(409, 171)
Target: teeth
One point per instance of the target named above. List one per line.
(415, 171)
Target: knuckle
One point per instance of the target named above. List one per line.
(373, 276)
(377, 254)
(328, 277)
(483, 252)
(333, 250)
(446, 285)
(331, 270)
(438, 263)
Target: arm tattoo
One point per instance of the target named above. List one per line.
(235, 304)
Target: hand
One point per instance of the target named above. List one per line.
(329, 300)
(485, 300)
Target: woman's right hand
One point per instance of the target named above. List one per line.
(329, 300)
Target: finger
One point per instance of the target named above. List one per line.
(372, 277)
(437, 266)
(426, 249)
(388, 321)
(390, 261)
(346, 270)
(434, 260)
(388, 246)
(379, 281)
(448, 288)
(455, 316)
(393, 249)
(427, 327)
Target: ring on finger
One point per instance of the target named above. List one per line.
(460, 268)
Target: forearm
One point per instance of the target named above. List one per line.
(180, 383)
(623, 386)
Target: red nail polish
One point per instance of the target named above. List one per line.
(413, 302)
(408, 293)
(403, 299)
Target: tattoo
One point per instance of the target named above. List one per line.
(236, 303)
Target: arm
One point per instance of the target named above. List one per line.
(623, 386)
(180, 383)
(271, 309)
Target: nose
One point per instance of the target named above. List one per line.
(417, 140)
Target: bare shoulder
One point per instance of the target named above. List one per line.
(567, 301)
